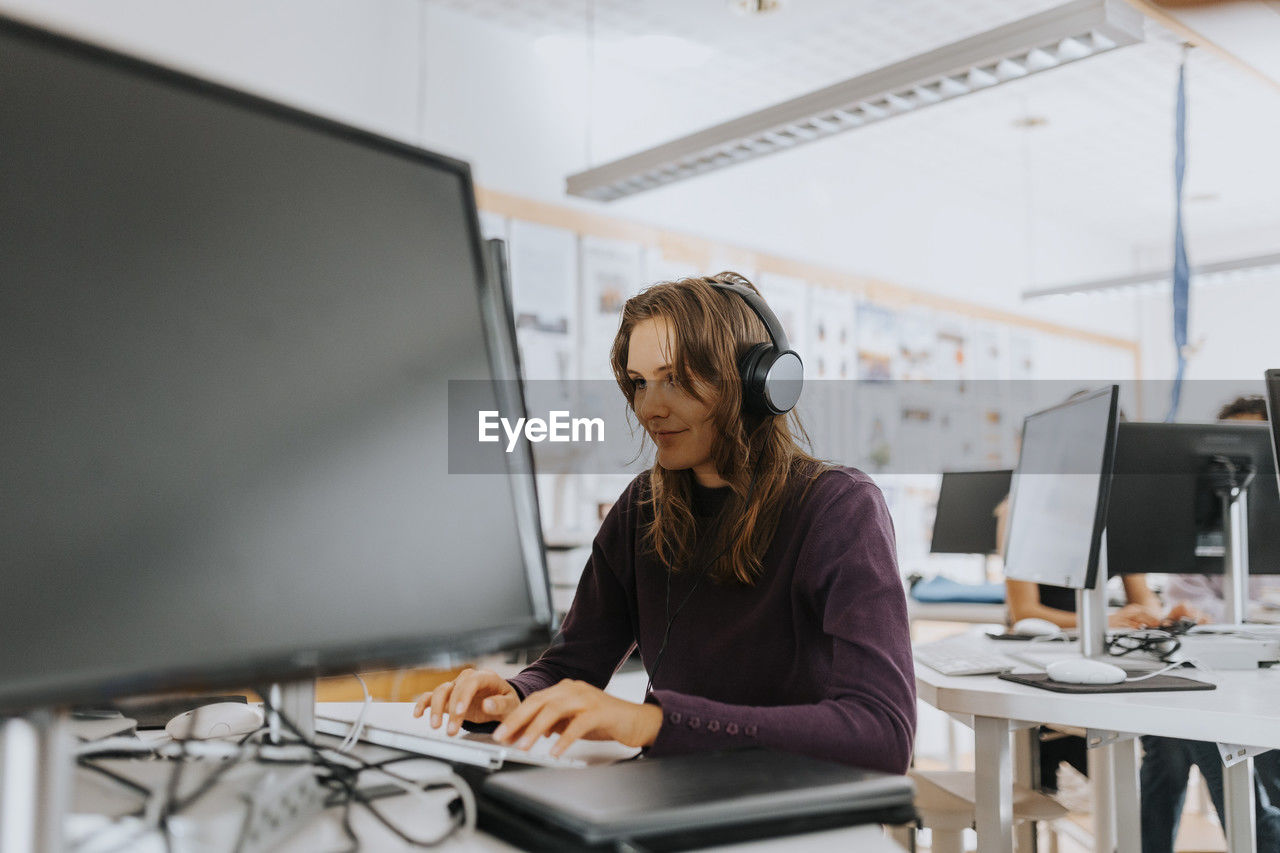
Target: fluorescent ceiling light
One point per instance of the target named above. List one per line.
(1050, 39)
(1203, 274)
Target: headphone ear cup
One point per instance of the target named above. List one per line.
(753, 368)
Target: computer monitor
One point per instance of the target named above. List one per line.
(965, 522)
(229, 330)
(1058, 501)
(1164, 516)
(1272, 379)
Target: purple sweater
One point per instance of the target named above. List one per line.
(814, 658)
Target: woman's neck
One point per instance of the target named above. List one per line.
(706, 476)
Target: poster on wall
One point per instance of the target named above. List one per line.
(789, 299)
(830, 339)
(988, 364)
(877, 335)
(952, 363)
(544, 278)
(1022, 365)
(611, 274)
(917, 345)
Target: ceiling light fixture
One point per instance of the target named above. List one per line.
(1050, 39)
(1204, 274)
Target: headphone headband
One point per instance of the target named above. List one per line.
(761, 309)
(772, 374)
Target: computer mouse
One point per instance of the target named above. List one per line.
(221, 719)
(1084, 671)
(1035, 628)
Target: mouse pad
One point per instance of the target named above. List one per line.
(1155, 684)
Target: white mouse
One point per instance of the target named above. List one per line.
(221, 719)
(1084, 671)
(1035, 628)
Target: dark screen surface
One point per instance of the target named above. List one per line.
(228, 330)
(1164, 516)
(966, 521)
(1058, 501)
(1272, 379)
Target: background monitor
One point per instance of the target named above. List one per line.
(1164, 516)
(229, 330)
(966, 522)
(1059, 495)
(1272, 379)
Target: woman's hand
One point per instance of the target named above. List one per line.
(576, 710)
(1186, 611)
(1134, 616)
(475, 696)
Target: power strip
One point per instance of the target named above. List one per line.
(280, 804)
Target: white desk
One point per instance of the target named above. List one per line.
(425, 817)
(1243, 711)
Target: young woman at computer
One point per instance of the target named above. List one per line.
(759, 584)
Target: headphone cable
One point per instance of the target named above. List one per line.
(706, 570)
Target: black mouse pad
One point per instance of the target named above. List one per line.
(1155, 684)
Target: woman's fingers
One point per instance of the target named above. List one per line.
(578, 727)
(439, 697)
(498, 707)
(545, 720)
(515, 721)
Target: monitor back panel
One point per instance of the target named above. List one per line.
(1163, 516)
(966, 521)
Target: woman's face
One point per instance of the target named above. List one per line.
(679, 424)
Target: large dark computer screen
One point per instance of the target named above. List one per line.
(228, 330)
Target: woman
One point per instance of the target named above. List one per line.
(760, 585)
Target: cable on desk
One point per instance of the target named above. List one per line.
(1173, 665)
(354, 735)
(341, 770)
(1156, 642)
(170, 806)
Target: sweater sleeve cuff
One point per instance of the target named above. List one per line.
(690, 724)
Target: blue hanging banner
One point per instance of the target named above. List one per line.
(1181, 272)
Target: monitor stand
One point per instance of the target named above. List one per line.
(1235, 556)
(296, 702)
(1091, 607)
(35, 789)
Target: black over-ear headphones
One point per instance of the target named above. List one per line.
(772, 374)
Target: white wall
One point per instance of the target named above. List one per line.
(519, 113)
(356, 62)
(1233, 330)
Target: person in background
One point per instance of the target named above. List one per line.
(1166, 761)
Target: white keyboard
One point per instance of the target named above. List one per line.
(962, 656)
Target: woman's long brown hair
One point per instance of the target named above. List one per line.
(758, 456)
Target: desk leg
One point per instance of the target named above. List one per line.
(1237, 790)
(993, 778)
(1102, 779)
(1024, 745)
(1128, 816)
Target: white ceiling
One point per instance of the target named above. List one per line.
(1103, 161)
